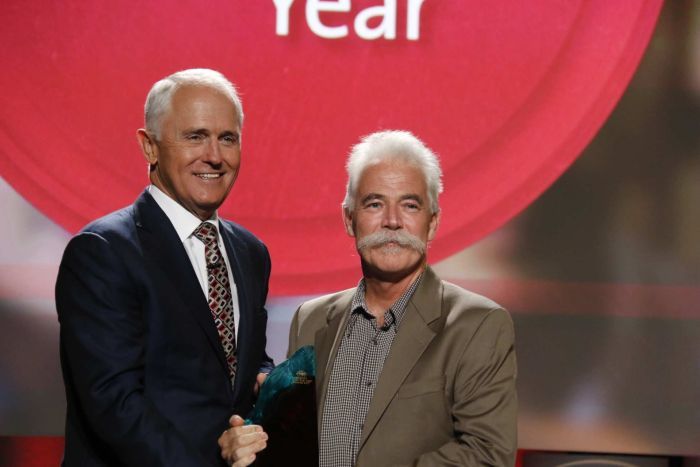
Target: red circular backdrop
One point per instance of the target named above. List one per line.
(508, 93)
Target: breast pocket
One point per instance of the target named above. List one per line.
(422, 387)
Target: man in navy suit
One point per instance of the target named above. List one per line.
(163, 327)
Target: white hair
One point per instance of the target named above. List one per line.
(161, 94)
(393, 145)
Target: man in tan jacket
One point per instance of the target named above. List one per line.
(411, 370)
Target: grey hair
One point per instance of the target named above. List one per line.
(393, 145)
(161, 94)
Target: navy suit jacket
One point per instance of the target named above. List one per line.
(144, 370)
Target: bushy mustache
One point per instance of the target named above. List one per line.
(400, 237)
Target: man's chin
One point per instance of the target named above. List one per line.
(204, 209)
(392, 266)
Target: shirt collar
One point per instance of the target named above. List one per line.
(183, 221)
(396, 311)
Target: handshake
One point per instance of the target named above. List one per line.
(283, 422)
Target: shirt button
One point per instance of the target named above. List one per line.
(368, 383)
(374, 341)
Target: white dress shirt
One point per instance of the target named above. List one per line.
(185, 224)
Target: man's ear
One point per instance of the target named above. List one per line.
(148, 146)
(347, 220)
(433, 226)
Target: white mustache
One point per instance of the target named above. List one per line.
(400, 237)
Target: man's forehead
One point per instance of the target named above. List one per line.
(388, 174)
(192, 101)
(187, 92)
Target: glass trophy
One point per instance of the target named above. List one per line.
(286, 409)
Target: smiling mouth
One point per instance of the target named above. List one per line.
(209, 176)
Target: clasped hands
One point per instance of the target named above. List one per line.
(240, 443)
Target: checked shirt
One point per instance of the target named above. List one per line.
(356, 370)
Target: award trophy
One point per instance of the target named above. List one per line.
(286, 409)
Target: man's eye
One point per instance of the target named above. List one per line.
(194, 137)
(374, 204)
(230, 139)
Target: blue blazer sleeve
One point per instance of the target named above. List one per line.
(103, 339)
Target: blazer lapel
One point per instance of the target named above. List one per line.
(327, 341)
(165, 253)
(410, 342)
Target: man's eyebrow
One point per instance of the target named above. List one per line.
(371, 196)
(199, 131)
(412, 196)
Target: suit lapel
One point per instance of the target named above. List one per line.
(165, 253)
(410, 342)
(327, 341)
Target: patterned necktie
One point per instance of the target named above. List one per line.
(220, 302)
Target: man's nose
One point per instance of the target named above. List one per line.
(392, 218)
(213, 152)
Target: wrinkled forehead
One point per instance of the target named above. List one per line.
(189, 91)
(396, 165)
(193, 101)
(392, 175)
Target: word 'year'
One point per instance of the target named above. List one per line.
(385, 29)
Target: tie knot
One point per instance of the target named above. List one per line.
(206, 232)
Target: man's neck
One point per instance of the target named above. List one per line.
(381, 294)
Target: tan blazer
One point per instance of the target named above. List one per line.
(446, 395)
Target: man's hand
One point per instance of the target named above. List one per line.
(259, 380)
(240, 443)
